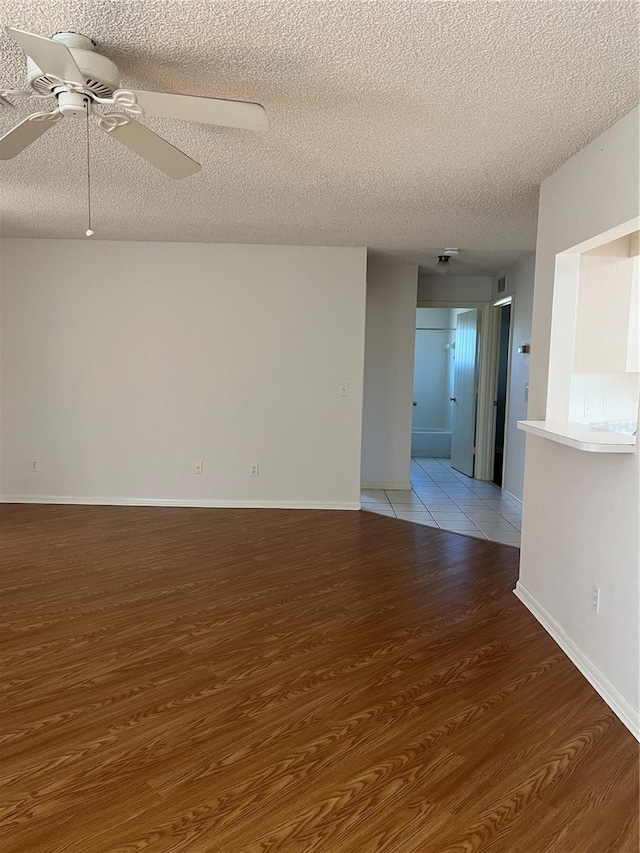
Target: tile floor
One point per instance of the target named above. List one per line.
(442, 497)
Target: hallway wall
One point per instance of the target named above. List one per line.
(388, 372)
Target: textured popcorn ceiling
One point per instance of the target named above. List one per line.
(403, 126)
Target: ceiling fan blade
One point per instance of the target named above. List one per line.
(50, 56)
(152, 148)
(23, 134)
(240, 114)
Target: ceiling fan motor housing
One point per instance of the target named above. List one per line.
(101, 76)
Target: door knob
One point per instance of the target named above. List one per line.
(414, 403)
(453, 399)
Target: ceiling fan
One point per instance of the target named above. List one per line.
(83, 83)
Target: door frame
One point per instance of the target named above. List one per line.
(489, 338)
(490, 389)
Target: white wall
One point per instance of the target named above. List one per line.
(125, 362)
(520, 286)
(435, 318)
(1, 259)
(388, 373)
(454, 288)
(581, 510)
(433, 372)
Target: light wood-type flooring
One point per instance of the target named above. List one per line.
(252, 681)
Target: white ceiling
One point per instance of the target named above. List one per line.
(407, 127)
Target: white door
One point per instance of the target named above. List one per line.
(463, 420)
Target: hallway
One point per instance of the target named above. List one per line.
(442, 497)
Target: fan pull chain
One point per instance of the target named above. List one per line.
(89, 231)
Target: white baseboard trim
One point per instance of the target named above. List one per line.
(511, 497)
(385, 486)
(183, 502)
(618, 703)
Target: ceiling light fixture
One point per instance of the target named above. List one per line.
(443, 266)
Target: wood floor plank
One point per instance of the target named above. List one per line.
(273, 681)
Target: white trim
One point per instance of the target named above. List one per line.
(512, 497)
(622, 230)
(507, 402)
(486, 418)
(487, 422)
(184, 502)
(457, 303)
(618, 703)
(385, 486)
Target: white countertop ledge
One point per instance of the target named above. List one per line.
(580, 436)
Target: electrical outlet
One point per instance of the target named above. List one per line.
(595, 599)
(254, 470)
(586, 411)
(33, 466)
(198, 468)
(526, 393)
(343, 390)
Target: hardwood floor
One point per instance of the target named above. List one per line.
(244, 681)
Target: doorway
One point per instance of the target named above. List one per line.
(445, 385)
(500, 401)
(433, 377)
(480, 442)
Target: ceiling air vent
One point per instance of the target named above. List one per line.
(502, 284)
